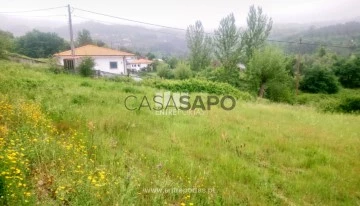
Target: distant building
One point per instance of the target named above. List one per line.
(241, 66)
(107, 61)
(136, 65)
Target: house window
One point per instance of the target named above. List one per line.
(69, 64)
(113, 65)
(138, 65)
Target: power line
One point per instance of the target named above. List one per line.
(108, 22)
(181, 29)
(131, 20)
(37, 16)
(168, 27)
(45, 9)
(313, 44)
(280, 41)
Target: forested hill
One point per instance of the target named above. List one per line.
(344, 35)
(167, 42)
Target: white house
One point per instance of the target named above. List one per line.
(136, 65)
(106, 60)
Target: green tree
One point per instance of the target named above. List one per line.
(38, 44)
(199, 45)
(231, 77)
(6, 43)
(182, 71)
(84, 38)
(163, 71)
(100, 43)
(266, 71)
(86, 67)
(321, 52)
(319, 80)
(227, 43)
(257, 31)
(150, 56)
(173, 61)
(348, 72)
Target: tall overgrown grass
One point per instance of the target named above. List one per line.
(68, 140)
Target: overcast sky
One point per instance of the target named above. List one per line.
(180, 13)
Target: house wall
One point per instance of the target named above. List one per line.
(102, 63)
(136, 67)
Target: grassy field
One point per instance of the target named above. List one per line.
(70, 140)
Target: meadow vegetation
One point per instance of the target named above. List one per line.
(69, 140)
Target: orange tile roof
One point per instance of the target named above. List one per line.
(140, 61)
(92, 50)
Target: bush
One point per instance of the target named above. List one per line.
(350, 105)
(6, 43)
(231, 77)
(54, 66)
(346, 101)
(163, 71)
(121, 79)
(268, 76)
(348, 72)
(319, 80)
(196, 85)
(86, 67)
(182, 71)
(280, 92)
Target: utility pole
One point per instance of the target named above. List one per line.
(298, 67)
(71, 33)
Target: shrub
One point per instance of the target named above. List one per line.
(163, 71)
(319, 80)
(346, 101)
(182, 71)
(6, 43)
(231, 77)
(348, 72)
(86, 67)
(282, 92)
(54, 66)
(267, 75)
(121, 79)
(350, 105)
(196, 85)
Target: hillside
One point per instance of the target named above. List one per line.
(167, 42)
(69, 140)
(162, 42)
(343, 35)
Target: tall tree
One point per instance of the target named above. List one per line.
(267, 70)
(257, 31)
(348, 72)
(6, 42)
(150, 56)
(100, 43)
(84, 38)
(199, 45)
(227, 43)
(38, 44)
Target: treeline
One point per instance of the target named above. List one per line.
(37, 44)
(340, 35)
(244, 59)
